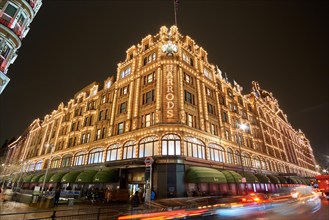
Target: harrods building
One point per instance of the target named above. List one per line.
(167, 102)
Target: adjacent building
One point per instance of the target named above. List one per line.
(167, 105)
(15, 19)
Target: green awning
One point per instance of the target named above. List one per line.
(262, 178)
(301, 180)
(292, 180)
(86, 176)
(56, 178)
(70, 177)
(273, 179)
(204, 175)
(27, 179)
(49, 175)
(282, 179)
(105, 176)
(307, 181)
(250, 178)
(232, 176)
(36, 178)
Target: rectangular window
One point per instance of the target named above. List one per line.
(148, 97)
(124, 90)
(148, 59)
(190, 120)
(188, 79)
(149, 78)
(123, 107)
(148, 120)
(103, 99)
(125, 72)
(213, 129)
(211, 109)
(230, 93)
(98, 134)
(88, 138)
(189, 98)
(207, 73)
(209, 92)
(120, 128)
(227, 135)
(103, 133)
(100, 116)
(9, 13)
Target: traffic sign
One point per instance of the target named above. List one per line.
(148, 161)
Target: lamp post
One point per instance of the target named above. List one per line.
(48, 165)
(20, 175)
(242, 127)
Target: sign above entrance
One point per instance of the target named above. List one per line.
(148, 161)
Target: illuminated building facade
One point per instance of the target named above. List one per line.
(168, 103)
(15, 19)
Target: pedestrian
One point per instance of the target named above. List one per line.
(152, 195)
(57, 195)
(135, 200)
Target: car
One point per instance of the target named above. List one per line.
(257, 198)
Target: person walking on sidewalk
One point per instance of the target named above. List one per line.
(57, 195)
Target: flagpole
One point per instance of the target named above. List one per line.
(175, 9)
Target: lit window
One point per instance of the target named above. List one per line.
(96, 156)
(230, 158)
(213, 129)
(217, 153)
(187, 59)
(125, 72)
(147, 120)
(148, 59)
(171, 145)
(190, 120)
(98, 134)
(79, 159)
(66, 161)
(120, 128)
(129, 150)
(55, 163)
(113, 152)
(38, 165)
(207, 73)
(194, 148)
(149, 78)
(148, 147)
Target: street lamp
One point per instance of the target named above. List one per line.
(242, 127)
(20, 175)
(48, 165)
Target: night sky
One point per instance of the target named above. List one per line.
(281, 44)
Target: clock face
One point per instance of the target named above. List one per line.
(169, 48)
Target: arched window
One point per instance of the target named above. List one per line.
(230, 157)
(66, 161)
(96, 156)
(256, 162)
(55, 163)
(194, 148)
(263, 164)
(246, 159)
(268, 165)
(217, 153)
(171, 145)
(113, 152)
(148, 147)
(129, 150)
(79, 158)
(38, 165)
(238, 158)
